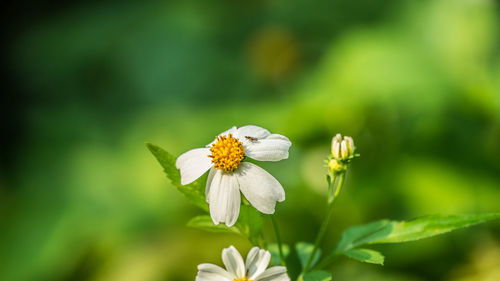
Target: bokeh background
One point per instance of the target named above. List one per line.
(415, 83)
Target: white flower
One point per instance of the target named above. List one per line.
(254, 269)
(229, 174)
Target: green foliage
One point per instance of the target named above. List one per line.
(355, 235)
(250, 223)
(167, 161)
(365, 255)
(275, 253)
(397, 232)
(194, 192)
(317, 275)
(205, 223)
(304, 250)
(386, 231)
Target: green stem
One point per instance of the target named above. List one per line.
(261, 241)
(324, 226)
(278, 238)
(339, 185)
(327, 261)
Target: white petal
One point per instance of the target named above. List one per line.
(193, 164)
(224, 198)
(273, 148)
(212, 272)
(344, 152)
(277, 136)
(233, 262)
(233, 130)
(275, 273)
(209, 182)
(252, 131)
(257, 261)
(251, 256)
(259, 187)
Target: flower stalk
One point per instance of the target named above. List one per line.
(278, 239)
(343, 151)
(335, 186)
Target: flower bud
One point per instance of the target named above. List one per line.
(336, 146)
(350, 144)
(342, 149)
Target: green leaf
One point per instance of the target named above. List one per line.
(397, 232)
(275, 253)
(385, 231)
(304, 250)
(206, 223)
(365, 255)
(195, 192)
(250, 223)
(317, 275)
(355, 235)
(167, 161)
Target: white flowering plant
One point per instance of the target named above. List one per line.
(238, 196)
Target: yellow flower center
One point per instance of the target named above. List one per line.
(242, 279)
(227, 154)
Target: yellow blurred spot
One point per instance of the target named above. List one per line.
(274, 53)
(484, 263)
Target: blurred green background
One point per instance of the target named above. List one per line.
(415, 83)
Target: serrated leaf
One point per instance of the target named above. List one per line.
(365, 255)
(167, 161)
(428, 226)
(206, 223)
(386, 231)
(275, 253)
(317, 275)
(195, 192)
(304, 250)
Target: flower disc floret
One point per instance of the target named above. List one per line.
(227, 153)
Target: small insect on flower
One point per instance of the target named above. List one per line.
(254, 269)
(229, 173)
(251, 138)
